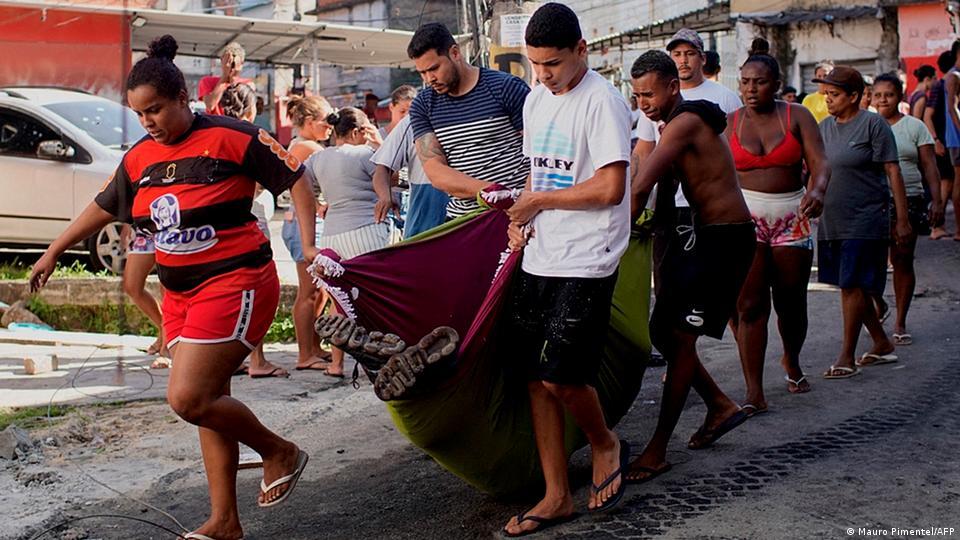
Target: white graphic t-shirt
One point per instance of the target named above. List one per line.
(567, 138)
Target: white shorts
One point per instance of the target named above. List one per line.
(358, 241)
(142, 244)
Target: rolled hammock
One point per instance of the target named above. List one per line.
(473, 417)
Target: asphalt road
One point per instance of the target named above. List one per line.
(874, 452)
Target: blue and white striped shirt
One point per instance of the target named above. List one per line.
(480, 132)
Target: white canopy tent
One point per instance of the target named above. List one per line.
(265, 41)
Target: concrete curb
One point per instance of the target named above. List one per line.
(97, 291)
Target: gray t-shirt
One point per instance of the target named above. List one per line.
(398, 153)
(857, 199)
(345, 177)
(911, 134)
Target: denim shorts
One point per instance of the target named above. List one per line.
(290, 234)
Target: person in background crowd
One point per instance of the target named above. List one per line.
(789, 94)
(211, 87)
(370, 104)
(467, 122)
(308, 115)
(926, 76)
(262, 119)
(935, 118)
(141, 258)
(854, 230)
(344, 174)
(917, 163)
(239, 101)
(816, 102)
(711, 66)
(398, 154)
(866, 103)
(952, 120)
(221, 283)
(770, 142)
(400, 100)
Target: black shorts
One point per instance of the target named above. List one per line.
(701, 272)
(853, 264)
(916, 213)
(556, 327)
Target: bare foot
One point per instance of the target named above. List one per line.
(274, 467)
(226, 528)
(606, 460)
(545, 509)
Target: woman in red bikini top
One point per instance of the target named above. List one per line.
(771, 140)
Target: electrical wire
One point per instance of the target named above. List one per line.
(65, 522)
(128, 497)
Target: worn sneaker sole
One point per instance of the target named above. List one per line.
(346, 334)
(400, 374)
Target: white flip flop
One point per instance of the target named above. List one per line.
(198, 536)
(288, 479)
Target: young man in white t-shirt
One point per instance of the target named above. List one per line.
(576, 217)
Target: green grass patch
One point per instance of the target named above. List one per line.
(103, 319)
(128, 319)
(17, 269)
(281, 329)
(30, 417)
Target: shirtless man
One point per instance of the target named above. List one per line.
(704, 266)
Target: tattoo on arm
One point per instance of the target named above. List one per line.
(428, 147)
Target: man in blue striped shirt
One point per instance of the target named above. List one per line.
(467, 123)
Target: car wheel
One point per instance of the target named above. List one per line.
(107, 248)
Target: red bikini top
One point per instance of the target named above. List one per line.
(787, 153)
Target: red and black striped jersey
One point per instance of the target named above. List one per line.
(195, 197)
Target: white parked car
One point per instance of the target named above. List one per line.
(58, 147)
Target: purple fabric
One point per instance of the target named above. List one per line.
(411, 288)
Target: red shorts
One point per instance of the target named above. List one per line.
(238, 305)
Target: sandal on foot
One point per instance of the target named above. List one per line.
(161, 362)
(278, 372)
(615, 499)
(752, 410)
(870, 359)
(290, 479)
(242, 370)
(198, 536)
(542, 523)
(840, 372)
(793, 386)
(902, 339)
(316, 365)
(334, 375)
(651, 473)
(709, 436)
(400, 373)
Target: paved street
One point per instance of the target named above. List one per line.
(876, 451)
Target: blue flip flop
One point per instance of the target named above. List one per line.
(624, 463)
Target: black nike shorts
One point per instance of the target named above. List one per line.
(701, 271)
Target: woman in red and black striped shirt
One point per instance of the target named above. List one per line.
(190, 184)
